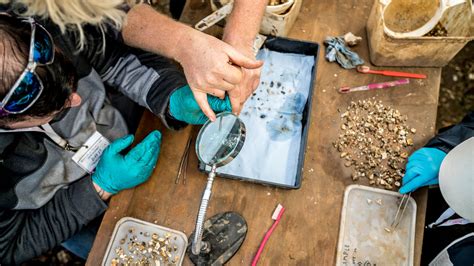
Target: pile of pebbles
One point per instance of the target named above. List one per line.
(374, 142)
(158, 250)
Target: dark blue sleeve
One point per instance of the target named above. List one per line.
(462, 253)
(25, 234)
(450, 137)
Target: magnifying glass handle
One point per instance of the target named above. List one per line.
(196, 248)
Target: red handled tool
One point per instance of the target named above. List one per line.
(366, 70)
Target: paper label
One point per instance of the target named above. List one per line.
(88, 156)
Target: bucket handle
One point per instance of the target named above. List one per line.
(215, 17)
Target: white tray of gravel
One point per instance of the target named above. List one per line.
(136, 242)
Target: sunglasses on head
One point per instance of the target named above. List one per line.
(28, 87)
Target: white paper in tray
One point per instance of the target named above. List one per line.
(272, 117)
(362, 236)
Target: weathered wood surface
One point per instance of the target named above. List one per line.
(308, 231)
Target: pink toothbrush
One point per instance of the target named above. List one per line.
(276, 217)
(374, 86)
(367, 70)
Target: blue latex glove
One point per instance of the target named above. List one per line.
(422, 169)
(184, 107)
(116, 172)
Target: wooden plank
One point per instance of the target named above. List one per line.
(308, 232)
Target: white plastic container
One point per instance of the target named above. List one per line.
(363, 239)
(143, 231)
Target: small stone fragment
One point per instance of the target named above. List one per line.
(351, 40)
(355, 177)
(115, 262)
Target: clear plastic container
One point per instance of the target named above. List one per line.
(363, 239)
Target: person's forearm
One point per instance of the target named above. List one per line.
(204, 58)
(244, 23)
(149, 30)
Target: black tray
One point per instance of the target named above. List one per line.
(285, 45)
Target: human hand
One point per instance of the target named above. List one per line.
(212, 66)
(249, 83)
(250, 77)
(422, 169)
(116, 172)
(183, 106)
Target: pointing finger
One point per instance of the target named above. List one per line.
(201, 99)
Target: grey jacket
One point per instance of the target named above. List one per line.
(45, 198)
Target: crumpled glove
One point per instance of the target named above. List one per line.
(337, 50)
(116, 172)
(422, 169)
(183, 106)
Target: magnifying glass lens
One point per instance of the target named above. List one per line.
(220, 141)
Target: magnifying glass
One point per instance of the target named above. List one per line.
(217, 144)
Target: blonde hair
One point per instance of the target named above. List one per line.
(73, 14)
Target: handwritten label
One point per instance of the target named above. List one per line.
(349, 257)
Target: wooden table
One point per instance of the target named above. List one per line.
(308, 232)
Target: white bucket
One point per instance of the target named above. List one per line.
(418, 17)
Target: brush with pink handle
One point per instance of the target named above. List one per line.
(374, 86)
(276, 218)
